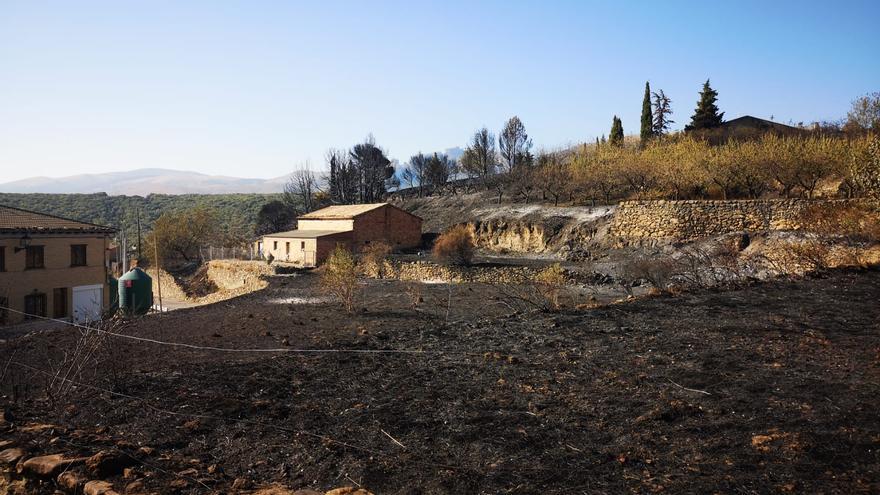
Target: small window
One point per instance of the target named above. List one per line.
(287, 247)
(34, 257)
(59, 302)
(302, 245)
(2, 258)
(34, 305)
(78, 255)
(274, 245)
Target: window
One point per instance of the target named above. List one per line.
(78, 255)
(274, 245)
(302, 245)
(34, 257)
(287, 247)
(59, 302)
(34, 305)
(2, 258)
(4, 313)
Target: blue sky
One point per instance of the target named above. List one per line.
(256, 88)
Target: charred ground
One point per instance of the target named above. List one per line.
(768, 388)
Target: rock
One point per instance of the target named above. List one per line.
(241, 484)
(97, 487)
(275, 490)
(71, 482)
(6, 444)
(192, 425)
(11, 456)
(146, 450)
(48, 466)
(37, 427)
(105, 464)
(348, 490)
(134, 487)
(179, 484)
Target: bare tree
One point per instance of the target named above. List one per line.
(480, 159)
(439, 169)
(514, 144)
(374, 170)
(418, 167)
(408, 177)
(300, 189)
(554, 176)
(342, 177)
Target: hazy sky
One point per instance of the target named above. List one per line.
(254, 88)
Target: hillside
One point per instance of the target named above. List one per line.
(237, 210)
(145, 181)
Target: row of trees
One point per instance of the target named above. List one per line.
(662, 165)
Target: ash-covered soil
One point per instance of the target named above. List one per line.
(765, 389)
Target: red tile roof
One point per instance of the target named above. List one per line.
(18, 220)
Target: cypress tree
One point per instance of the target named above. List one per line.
(706, 116)
(616, 137)
(647, 131)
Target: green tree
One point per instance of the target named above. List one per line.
(647, 131)
(706, 116)
(616, 136)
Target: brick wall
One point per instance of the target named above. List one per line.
(17, 281)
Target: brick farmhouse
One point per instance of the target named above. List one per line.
(51, 267)
(353, 226)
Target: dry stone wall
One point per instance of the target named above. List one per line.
(686, 220)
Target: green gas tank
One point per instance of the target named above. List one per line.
(135, 292)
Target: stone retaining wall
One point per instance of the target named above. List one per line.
(686, 220)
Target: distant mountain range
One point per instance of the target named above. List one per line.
(145, 181)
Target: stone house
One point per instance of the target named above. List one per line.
(52, 267)
(353, 226)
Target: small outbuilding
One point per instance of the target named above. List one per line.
(353, 226)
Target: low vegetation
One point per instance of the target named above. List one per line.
(455, 246)
(339, 277)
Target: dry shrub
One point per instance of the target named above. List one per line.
(373, 258)
(811, 255)
(455, 246)
(657, 271)
(841, 236)
(550, 282)
(704, 267)
(414, 294)
(339, 277)
(854, 222)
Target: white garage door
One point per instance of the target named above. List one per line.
(87, 302)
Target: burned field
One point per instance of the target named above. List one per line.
(768, 388)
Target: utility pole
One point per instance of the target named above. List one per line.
(138, 211)
(158, 271)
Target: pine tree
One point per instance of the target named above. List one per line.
(616, 137)
(706, 116)
(662, 111)
(647, 131)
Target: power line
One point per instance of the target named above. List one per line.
(228, 349)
